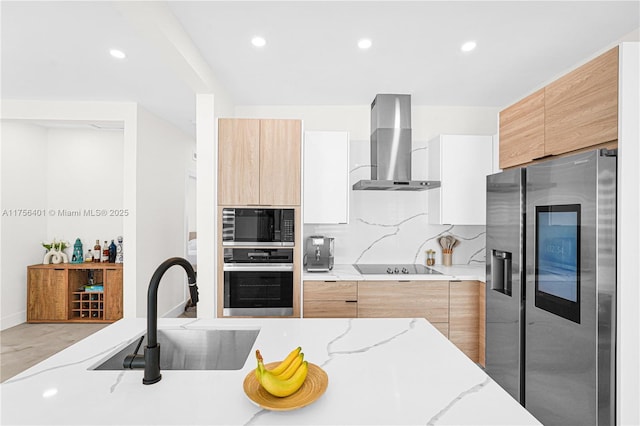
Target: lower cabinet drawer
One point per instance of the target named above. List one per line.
(330, 309)
(330, 290)
(407, 299)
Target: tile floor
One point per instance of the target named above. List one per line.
(25, 345)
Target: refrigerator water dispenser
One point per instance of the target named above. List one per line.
(501, 271)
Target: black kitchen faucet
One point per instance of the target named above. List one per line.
(151, 359)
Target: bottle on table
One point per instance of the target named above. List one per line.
(119, 251)
(105, 252)
(112, 252)
(97, 251)
(88, 257)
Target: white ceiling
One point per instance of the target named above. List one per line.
(59, 50)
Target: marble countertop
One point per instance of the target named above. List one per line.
(381, 371)
(346, 272)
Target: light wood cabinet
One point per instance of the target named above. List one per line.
(405, 299)
(113, 289)
(522, 131)
(330, 299)
(461, 163)
(576, 112)
(46, 294)
(280, 157)
(54, 293)
(455, 308)
(326, 177)
(464, 316)
(238, 161)
(259, 162)
(581, 108)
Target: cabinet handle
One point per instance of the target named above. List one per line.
(330, 281)
(351, 301)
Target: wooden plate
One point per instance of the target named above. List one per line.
(313, 387)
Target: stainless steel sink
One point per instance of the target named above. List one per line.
(193, 349)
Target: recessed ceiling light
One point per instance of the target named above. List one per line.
(258, 41)
(119, 54)
(468, 46)
(364, 43)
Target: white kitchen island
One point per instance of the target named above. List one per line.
(381, 371)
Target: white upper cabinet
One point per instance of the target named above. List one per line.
(326, 177)
(461, 163)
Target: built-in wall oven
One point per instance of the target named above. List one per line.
(258, 282)
(258, 227)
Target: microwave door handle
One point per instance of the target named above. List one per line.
(275, 225)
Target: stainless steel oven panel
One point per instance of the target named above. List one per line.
(257, 312)
(253, 244)
(258, 267)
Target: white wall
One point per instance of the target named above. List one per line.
(84, 176)
(207, 190)
(163, 163)
(390, 226)
(23, 154)
(628, 297)
(209, 107)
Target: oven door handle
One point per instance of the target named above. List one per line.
(258, 267)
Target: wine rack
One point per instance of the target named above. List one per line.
(88, 305)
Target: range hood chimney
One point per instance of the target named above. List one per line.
(391, 147)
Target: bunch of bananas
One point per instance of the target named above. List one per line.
(287, 377)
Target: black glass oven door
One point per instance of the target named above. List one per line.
(258, 289)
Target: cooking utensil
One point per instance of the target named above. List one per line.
(443, 242)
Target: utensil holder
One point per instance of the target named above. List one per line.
(446, 258)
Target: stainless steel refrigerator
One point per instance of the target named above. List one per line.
(551, 287)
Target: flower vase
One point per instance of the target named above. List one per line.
(53, 256)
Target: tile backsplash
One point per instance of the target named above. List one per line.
(392, 226)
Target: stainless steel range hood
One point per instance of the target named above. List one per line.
(391, 147)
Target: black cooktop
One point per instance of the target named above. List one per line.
(383, 269)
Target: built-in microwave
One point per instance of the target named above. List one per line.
(257, 227)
